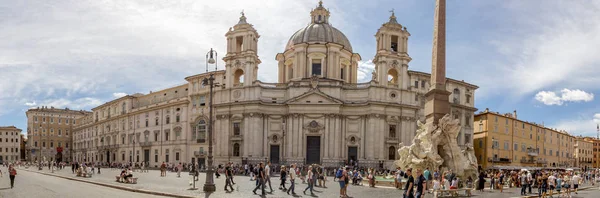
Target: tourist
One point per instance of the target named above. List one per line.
(551, 183)
(469, 185)
(339, 175)
(324, 176)
(12, 173)
(408, 189)
(436, 186)
(292, 173)
(445, 182)
(481, 181)
(163, 169)
(567, 184)
(576, 181)
(559, 184)
(454, 184)
(421, 184)
(260, 176)
(529, 181)
(500, 182)
(282, 177)
(179, 167)
(544, 185)
(523, 179)
(310, 180)
(228, 176)
(346, 181)
(428, 178)
(268, 175)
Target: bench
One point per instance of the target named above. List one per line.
(451, 192)
(132, 179)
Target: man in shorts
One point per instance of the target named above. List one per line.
(576, 179)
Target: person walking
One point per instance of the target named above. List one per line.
(163, 169)
(310, 180)
(282, 176)
(421, 184)
(12, 174)
(292, 173)
(523, 179)
(410, 183)
(428, 178)
(179, 167)
(228, 176)
(268, 175)
(260, 177)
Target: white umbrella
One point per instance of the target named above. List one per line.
(569, 169)
(523, 169)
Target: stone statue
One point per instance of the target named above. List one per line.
(374, 75)
(436, 147)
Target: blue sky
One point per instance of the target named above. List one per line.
(538, 57)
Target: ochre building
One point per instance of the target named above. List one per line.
(503, 140)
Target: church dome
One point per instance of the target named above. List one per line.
(319, 30)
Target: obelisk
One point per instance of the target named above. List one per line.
(437, 104)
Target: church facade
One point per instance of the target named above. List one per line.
(317, 112)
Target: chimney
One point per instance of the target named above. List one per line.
(515, 114)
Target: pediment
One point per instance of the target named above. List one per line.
(314, 97)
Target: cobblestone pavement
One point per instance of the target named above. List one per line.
(33, 185)
(171, 184)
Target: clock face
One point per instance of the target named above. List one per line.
(314, 124)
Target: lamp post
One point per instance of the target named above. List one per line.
(209, 186)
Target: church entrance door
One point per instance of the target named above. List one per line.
(274, 154)
(352, 153)
(313, 150)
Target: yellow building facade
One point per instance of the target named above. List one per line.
(502, 140)
(583, 152)
(595, 151)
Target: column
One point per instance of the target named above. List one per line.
(247, 137)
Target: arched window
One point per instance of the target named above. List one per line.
(236, 150)
(201, 132)
(238, 79)
(456, 96)
(392, 153)
(392, 76)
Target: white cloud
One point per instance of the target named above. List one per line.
(365, 71)
(30, 104)
(584, 126)
(119, 94)
(567, 95)
(548, 46)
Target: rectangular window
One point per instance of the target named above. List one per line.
(394, 44)
(516, 148)
(416, 83)
(202, 100)
(342, 73)
(392, 131)
(166, 136)
(316, 67)
(236, 128)
(177, 156)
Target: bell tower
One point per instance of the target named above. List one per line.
(241, 60)
(391, 59)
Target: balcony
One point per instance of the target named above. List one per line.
(199, 153)
(392, 140)
(528, 161)
(499, 160)
(533, 151)
(145, 144)
(236, 137)
(541, 162)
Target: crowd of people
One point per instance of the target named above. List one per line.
(547, 182)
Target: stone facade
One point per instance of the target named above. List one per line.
(10, 137)
(584, 152)
(316, 113)
(49, 128)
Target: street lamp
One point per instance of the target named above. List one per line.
(210, 59)
(209, 186)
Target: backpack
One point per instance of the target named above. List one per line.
(339, 173)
